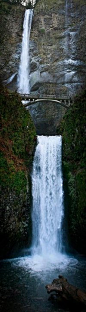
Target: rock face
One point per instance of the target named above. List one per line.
(57, 52)
(58, 48)
(11, 36)
(15, 223)
(58, 60)
(46, 117)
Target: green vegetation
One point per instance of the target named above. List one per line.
(11, 178)
(17, 139)
(42, 31)
(17, 143)
(74, 157)
(11, 2)
(42, 5)
(4, 8)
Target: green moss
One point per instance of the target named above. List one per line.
(19, 182)
(17, 141)
(74, 158)
(4, 8)
(42, 31)
(11, 179)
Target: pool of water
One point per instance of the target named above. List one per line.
(23, 281)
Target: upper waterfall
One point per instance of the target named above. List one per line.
(26, 2)
(24, 68)
(47, 192)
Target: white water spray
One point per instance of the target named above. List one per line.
(47, 251)
(47, 194)
(24, 68)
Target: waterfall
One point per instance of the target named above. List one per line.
(24, 68)
(47, 251)
(47, 192)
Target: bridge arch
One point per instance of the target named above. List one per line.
(65, 102)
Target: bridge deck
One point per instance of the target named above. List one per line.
(66, 102)
(32, 99)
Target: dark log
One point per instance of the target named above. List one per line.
(66, 291)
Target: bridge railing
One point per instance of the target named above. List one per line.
(32, 99)
(66, 102)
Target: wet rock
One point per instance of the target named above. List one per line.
(67, 292)
(46, 117)
(34, 79)
(11, 37)
(56, 33)
(33, 66)
(57, 45)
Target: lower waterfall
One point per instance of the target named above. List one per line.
(47, 257)
(48, 248)
(47, 192)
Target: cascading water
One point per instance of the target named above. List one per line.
(71, 62)
(47, 250)
(70, 33)
(24, 68)
(47, 194)
(29, 274)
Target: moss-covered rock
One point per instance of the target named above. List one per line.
(17, 142)
(74, 157)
